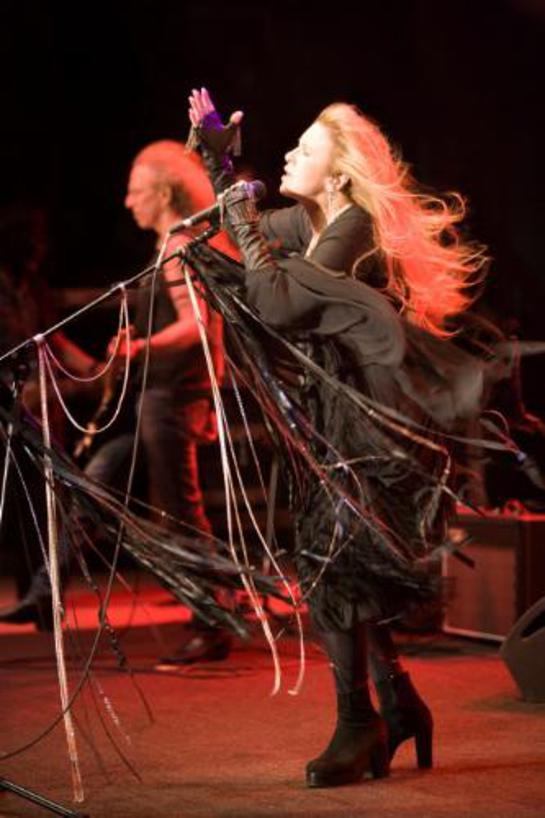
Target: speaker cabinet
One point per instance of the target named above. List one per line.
(508, 576)
(524, 653)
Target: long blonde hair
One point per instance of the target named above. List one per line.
(429, 268)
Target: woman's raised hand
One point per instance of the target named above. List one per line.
(204, 118)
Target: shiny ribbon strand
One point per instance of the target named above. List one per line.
(226, 447)
(52, 532)
(50, 357)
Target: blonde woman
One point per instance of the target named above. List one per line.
(372, 271)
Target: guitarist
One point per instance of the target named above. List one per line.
(166, 183)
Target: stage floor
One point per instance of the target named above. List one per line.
(210, 740)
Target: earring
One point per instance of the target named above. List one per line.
(330, 201)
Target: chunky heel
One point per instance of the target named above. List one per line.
(380, 761)
(423, 740)
(407, 717)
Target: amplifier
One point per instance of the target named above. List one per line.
(509, 574)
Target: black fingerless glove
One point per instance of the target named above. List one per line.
(214, 141)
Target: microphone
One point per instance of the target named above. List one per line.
(248, 190)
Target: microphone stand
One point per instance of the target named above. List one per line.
(11, 397)
(35, 798)
(20, 373)
(5, 784)
(104, 297)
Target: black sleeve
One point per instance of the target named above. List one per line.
(280, 300)
(287, 229)
(295, 297)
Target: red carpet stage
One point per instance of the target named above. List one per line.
(215, 743)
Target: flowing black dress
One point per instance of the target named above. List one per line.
(358, 397)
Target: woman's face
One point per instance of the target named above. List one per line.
(308, 166)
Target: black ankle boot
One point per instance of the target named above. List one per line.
(358, 747)
(406, 716)
(36, 609)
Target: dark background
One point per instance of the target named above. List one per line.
(456, 84)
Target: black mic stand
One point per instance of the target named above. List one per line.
(148, 271)
(20, 374)
(36, 798)
(10, 401)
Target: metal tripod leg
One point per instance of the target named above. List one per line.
(52, 806)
